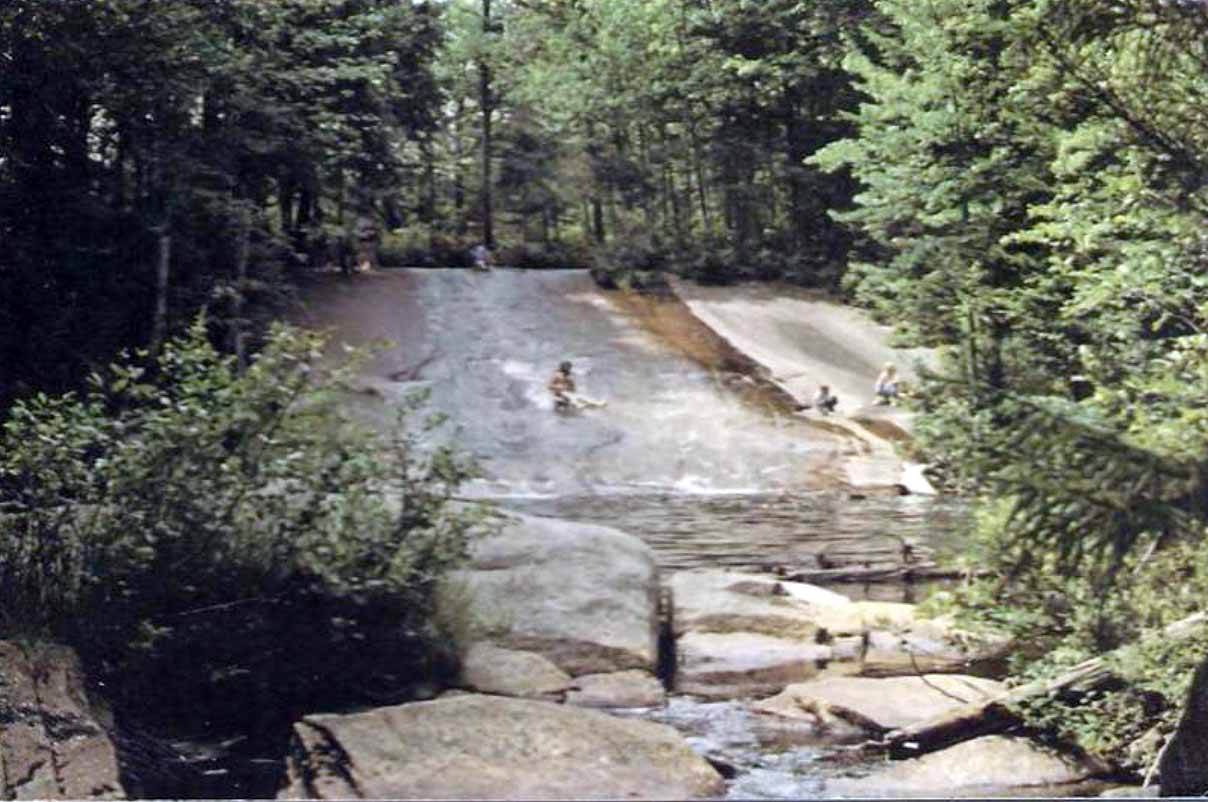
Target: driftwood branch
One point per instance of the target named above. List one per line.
(994, 715)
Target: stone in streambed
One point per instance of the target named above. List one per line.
(993, 764)
(620, 689)
(879, 705)
(737, 665)
(721, 602)
(486, 747)
(489, 669)
(927, 646)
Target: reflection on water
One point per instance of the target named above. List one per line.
(760, 533)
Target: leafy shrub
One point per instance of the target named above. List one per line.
(1060, 620)
(217, 538)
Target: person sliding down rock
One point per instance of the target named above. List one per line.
(824, 401)
(562, 387)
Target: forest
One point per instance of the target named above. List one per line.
(1023, 183)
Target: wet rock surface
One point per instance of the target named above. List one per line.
(52, 744)
(479, 747)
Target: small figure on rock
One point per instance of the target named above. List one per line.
(562, 387)
(481, 256)
(824, 400)
(887, 385)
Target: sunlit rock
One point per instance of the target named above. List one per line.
(879, 705)
(993, 764)
(718, 601)
(863, 616)
(487, 747)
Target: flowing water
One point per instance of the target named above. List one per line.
(676, 457)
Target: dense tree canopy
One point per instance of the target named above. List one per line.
(160, 157)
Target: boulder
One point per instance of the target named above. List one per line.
(993, 764)
(620, 689)
(488, 669)
(489, 747)
(720, 602)
(583, 596)
(927, 646)
(744, 664)
(879, 705)
(1184, 764)
(52, 745)
(858, 617)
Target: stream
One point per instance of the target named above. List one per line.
(755, 533)
(676, 458)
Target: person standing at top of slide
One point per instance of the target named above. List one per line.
(887, 385)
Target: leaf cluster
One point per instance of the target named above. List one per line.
(201, 531)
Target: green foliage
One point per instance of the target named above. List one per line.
(201, 532)
(1059, 620)
(1033, 201)
(197, 128)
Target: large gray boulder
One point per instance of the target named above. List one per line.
(1184, 764)
(992, 764)
(879, 705)
(52, 745)
(583, 596)
(484, 747)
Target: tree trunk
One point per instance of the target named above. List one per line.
(242, 249)
(597, 218)
(459, 181)
(698, 167)
(487, 103)
(163, 275)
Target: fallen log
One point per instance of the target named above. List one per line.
(994, 715)
(882, 572)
